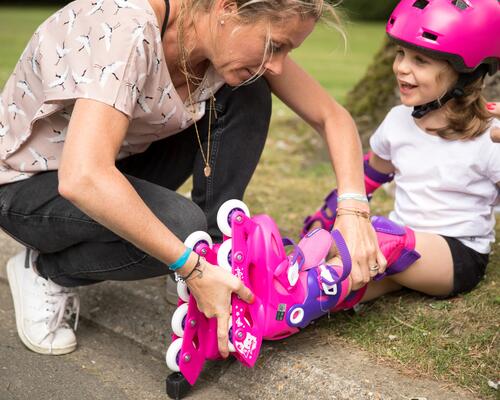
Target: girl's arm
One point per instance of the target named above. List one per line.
(311, 102)
(380, 164)
(89, 179)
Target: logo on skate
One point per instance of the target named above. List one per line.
(247, 346)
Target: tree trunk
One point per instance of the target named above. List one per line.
(376, 93)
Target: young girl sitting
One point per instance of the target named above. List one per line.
(437, 145)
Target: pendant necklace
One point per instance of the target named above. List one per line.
(206, 159)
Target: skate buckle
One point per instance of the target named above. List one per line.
(328, 282)
(293, 274)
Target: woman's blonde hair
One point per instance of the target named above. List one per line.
(467, 116)
(251, 11)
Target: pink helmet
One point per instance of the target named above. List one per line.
(466, 33)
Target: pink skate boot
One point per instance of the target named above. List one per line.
(290, 291)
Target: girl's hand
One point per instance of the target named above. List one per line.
(361, 241)
(212, 290)
(494, 109)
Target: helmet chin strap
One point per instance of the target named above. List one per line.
(456, 91)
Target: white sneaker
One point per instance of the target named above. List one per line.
(42, 308)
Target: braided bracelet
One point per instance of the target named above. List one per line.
(196, 268)
(352, 211)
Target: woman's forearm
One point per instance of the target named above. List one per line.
(345, 151)
(109, 198)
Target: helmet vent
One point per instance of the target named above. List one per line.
(461, 4)
(421, 4)
(428, 35)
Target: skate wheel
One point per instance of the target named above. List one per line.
(230, 344)
(173, 353)
(196, 238)
(297, 316)
(179, 319)
(224, 255)
(183, 291)
(224, 214)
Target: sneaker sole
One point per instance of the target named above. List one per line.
(14, 290)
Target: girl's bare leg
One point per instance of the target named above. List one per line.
(431, 274)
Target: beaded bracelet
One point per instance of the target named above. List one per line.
(181, 260)
(352, 196)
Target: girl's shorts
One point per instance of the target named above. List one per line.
(468, 266)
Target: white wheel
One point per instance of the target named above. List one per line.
(183, 291)
(297, 316)
(178, 319)
(230, 344)
(196, 237)
(223, 255)
(225, 211)
(172, 355)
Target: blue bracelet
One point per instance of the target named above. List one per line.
(181, 260)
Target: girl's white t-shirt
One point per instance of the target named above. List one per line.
(447, 187)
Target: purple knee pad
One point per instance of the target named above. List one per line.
(373, 178)
(397, 243)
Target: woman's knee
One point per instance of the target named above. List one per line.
(182, 218)
(178, 213)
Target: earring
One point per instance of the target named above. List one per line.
(221, 22)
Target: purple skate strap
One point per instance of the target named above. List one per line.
(407, 258)
(343, 252)
(297, 255)
(321, 215)
(381, 224)
(375, 175)
(334, 275)
(331, 202)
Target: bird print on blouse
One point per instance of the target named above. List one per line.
(110, 51)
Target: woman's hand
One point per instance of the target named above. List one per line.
(361, 241)
(212, 290)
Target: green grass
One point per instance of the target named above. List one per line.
(335, 64)
(455, 341)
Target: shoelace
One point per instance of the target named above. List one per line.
(64, 305)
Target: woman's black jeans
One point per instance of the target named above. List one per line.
(75, 250)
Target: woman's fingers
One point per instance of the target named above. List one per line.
(222, 333)
(212, 291)
(361, 240)
(244, 293)
(382, 262)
